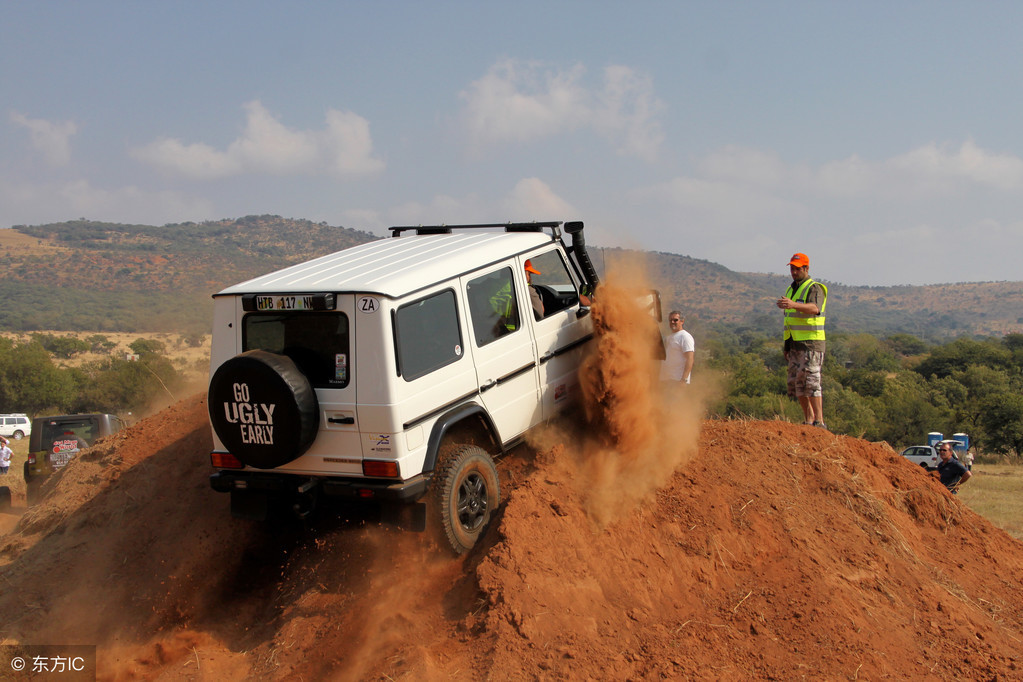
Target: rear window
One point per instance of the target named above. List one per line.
(67, 428)
(318, 343)
(427, 335)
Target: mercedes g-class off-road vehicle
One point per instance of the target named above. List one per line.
(396, 370)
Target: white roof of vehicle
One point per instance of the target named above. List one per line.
(395, 266)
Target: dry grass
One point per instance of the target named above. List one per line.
(16, 245)
(996, 493)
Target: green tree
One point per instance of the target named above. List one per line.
(147, 346)
(62, 346)
(29, 381)
(905, 345)
(905, 410)
(963, 353)
(1003, 423)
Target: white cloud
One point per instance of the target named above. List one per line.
(519, 101)
(529, 199)
(266, 146)
(938, 168)
(932, 206)
(533, 199)
(53, 140)
(37, 204)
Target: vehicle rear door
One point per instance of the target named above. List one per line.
(321, 343)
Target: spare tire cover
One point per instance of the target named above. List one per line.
(263, 409)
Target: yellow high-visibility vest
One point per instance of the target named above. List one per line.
(800, 326)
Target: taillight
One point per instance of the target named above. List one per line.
(378, 468)
(225, 460)
(31, 458)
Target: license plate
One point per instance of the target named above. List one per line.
(60, 459)
(295, 302)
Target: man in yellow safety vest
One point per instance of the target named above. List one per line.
(804, 304)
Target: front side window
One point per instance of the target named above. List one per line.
(492, 306)
(427, 336)
(317, 342)
(554, 284)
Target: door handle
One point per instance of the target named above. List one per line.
(487, 385)
(341, 420)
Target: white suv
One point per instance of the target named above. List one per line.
(924, 455)
(397, 369)
(15, 426)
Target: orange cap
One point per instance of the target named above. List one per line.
(800, 260)
(530, 268)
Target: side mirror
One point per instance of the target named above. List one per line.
(583, 311)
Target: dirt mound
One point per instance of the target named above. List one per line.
(637, 542)
(779, 551)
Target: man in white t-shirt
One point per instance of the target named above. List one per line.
(679, 351)
(5, 456)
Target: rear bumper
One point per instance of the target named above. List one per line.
(226, 481)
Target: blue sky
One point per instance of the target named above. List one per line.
(881, 138)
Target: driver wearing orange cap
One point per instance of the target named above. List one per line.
(534, 295)
(804, 304)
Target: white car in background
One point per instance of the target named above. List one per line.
(924, 455)
(15, 426)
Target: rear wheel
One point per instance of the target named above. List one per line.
(466, 492)
(18, 435)
(5, 498)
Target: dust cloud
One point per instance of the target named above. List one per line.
(638, 429)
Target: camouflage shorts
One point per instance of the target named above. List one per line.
(804, 378)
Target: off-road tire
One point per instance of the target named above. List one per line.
(465, 494)
(271, 380)
(5, 498)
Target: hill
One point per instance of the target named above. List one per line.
(777, 552)
(91, 276)
(83, 275)
(739, 302)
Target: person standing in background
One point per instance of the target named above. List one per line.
(5, 455)
(679, 351)
(804, 304)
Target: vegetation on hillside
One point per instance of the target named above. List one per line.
(84, 275)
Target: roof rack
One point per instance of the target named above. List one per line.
(447, 229)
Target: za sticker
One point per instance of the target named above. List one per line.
(368, 304)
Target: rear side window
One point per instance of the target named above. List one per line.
(427, 336)
(318, 343)
(492, 306)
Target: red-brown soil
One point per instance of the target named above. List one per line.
(779, 551)
(633, 542)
